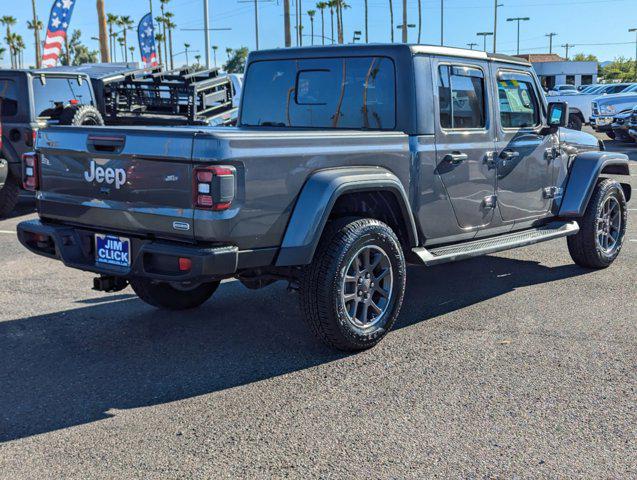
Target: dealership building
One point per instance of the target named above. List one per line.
(555, 70)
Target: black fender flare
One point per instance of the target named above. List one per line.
(585, 170)
(317, 198)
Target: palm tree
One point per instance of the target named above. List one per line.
(132, 53)
(105, 53)
(186, 46)
(126, 23)
(391, 20)
(112, 20)
(311, 13)
(163, 20)
(122, 46)
(340, 6)
(11, 40)
(299, 21)
(36, 26)
(321, 7)
(19, 49)
(214, 53)
(159, 38)
(198, 59)
(169, 26)
(286, 23)
(8, 21)
(331, 4)
(419, 19)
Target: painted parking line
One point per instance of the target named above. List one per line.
(8, 232)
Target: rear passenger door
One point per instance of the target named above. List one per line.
(524, 154)
(465, 139)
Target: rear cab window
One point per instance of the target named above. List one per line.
(8, 98)
(519, 104)
(59, 91)
(325, 93)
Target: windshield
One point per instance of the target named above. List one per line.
(321, 93)
(61, 91)
(632, 88)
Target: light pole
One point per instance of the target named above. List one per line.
(404, 25)
(518, 19)
(634, 30)
(471, 45)
(495, 24)
(484, 36)
(206, 29)
(551, 35)
(442, 22)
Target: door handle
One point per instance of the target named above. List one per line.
(455, 158)
(509, 154)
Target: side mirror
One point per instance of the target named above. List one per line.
(558, 115)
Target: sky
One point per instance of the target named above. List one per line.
(583, 23)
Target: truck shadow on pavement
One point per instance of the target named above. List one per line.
(74, 367)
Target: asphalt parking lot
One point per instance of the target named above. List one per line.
(519, 364)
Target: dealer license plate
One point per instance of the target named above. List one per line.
(112, 250)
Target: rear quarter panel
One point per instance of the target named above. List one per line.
(272, 168)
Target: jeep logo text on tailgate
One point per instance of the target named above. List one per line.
(108, 175)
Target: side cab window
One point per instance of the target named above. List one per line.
(518, 100)
(462, 97)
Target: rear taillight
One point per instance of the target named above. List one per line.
(30, 167)
(213, 187)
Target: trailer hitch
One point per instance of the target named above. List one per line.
(109, 284)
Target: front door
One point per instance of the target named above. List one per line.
(465, 140)
(524, 154)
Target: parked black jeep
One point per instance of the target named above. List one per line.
(30, 101)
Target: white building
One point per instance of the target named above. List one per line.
(555, 70)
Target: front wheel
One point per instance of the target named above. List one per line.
(173, 296)
(602, 227)
(352, 292)
(9, 195)
(575, 122)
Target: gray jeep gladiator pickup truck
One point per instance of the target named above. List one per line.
(347, 163)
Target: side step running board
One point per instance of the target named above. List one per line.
(475, 248)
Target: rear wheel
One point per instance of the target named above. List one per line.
(352, 292)
(602, 227)
(9, 194)
(173, 296)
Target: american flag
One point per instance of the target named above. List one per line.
(146, 34)
(56, 31)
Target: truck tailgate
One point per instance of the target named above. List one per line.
(118, 180)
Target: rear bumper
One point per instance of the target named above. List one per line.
(149, 259)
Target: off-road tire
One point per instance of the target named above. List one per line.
(9, 194)
(575, 122)
(81, 115)
(584, 247)
(322, 282)
(166, 296)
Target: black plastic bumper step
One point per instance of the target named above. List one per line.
(475, 248)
